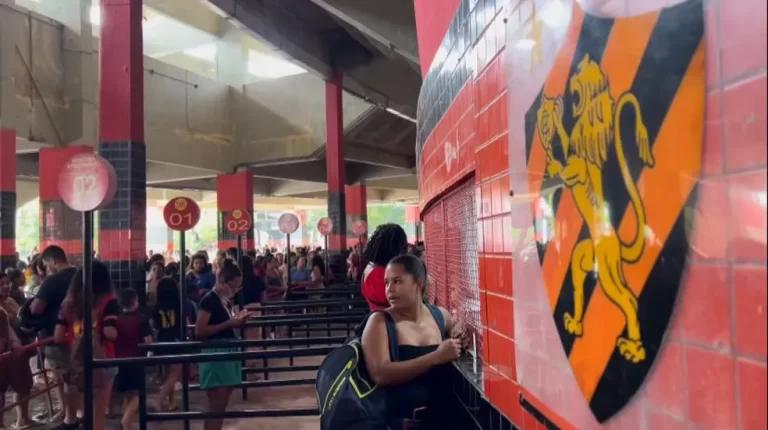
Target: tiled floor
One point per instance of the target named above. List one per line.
(267, 398)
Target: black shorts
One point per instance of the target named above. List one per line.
(129, 378)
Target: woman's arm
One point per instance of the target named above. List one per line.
(204, 330)
(60, 333)
(109, 320)
(376, 351)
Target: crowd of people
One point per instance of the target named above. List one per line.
(43, 299)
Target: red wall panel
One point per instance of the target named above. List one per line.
(432, 19)
(718, 337)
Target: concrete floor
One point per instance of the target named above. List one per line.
(268, 398)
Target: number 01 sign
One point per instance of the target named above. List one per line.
(238, 221)
(181, 214)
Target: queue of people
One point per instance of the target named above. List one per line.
(222, 294)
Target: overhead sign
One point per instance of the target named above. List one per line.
(359, 227)
(181, 214)
(288, 223)
(238, 221)
(325, 226)
(87, 182)
(614, 146)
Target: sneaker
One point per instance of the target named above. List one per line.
(64, 426)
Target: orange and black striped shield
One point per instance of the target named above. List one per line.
(614, 145)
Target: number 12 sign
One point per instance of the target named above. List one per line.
(181, 214)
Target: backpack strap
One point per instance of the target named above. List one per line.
(392, 336)
(391, 332)
(437, 314)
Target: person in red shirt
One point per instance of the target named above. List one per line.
(387, 242)
(133, 329)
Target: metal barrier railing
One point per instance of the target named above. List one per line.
(42, 372)
(322, 346)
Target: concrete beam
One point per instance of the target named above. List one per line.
(281, 30)
(399, 183)
(387, 84)
(161, 173)
(391, 23)
(194, 13)
(296, 188)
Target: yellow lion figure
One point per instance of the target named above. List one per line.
(586, 150)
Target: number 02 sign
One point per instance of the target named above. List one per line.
(87, 182)
(181, 214)
(238, 221)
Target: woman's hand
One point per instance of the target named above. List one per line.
(241, 318)
(448, 351)
(459, 332)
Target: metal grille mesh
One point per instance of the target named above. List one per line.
(451, 241)
(435, 249)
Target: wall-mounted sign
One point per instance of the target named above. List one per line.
(616, 138)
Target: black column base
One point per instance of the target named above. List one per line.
(338, 265)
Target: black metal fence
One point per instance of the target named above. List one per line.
(340, 314)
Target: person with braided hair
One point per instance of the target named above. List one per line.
(387, 242)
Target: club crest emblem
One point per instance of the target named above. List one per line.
(614, 144)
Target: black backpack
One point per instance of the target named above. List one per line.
(346, 395)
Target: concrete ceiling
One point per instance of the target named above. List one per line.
(372, 43)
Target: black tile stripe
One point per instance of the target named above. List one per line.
(128, 209)
(337, 212)
(622, 379)
(592, 40)
(129, 274)
(7, 261)
(452, 65)
(59, 222)
(7, 215)
(677, 34)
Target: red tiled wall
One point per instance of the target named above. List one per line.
(432, 18)
(711, 372)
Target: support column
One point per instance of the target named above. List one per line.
(7, 143)
(304, 229)
(334, 159)
(59, 225)
(356, 204)
(413, 224)
(234, 191)
(123, 224)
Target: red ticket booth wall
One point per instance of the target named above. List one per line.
(717, 335)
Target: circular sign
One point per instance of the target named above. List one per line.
(288, 223)
(87, 182)
(325, 226)
(238, 221)
(181, 214)
(359, 227)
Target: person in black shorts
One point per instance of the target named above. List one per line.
(132, 329)
(166, 319)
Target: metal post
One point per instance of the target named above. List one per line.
(143, 400)
(325, 252)
(183, 327)
(244, 392)
(288, 260)
(87, 320)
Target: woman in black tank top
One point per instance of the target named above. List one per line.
(415, 373)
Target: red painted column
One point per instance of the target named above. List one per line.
(356, 205)
(7, 197)
(234, 191)
(59, 225)
(334, 159)
(123, 224)
(413, 224)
